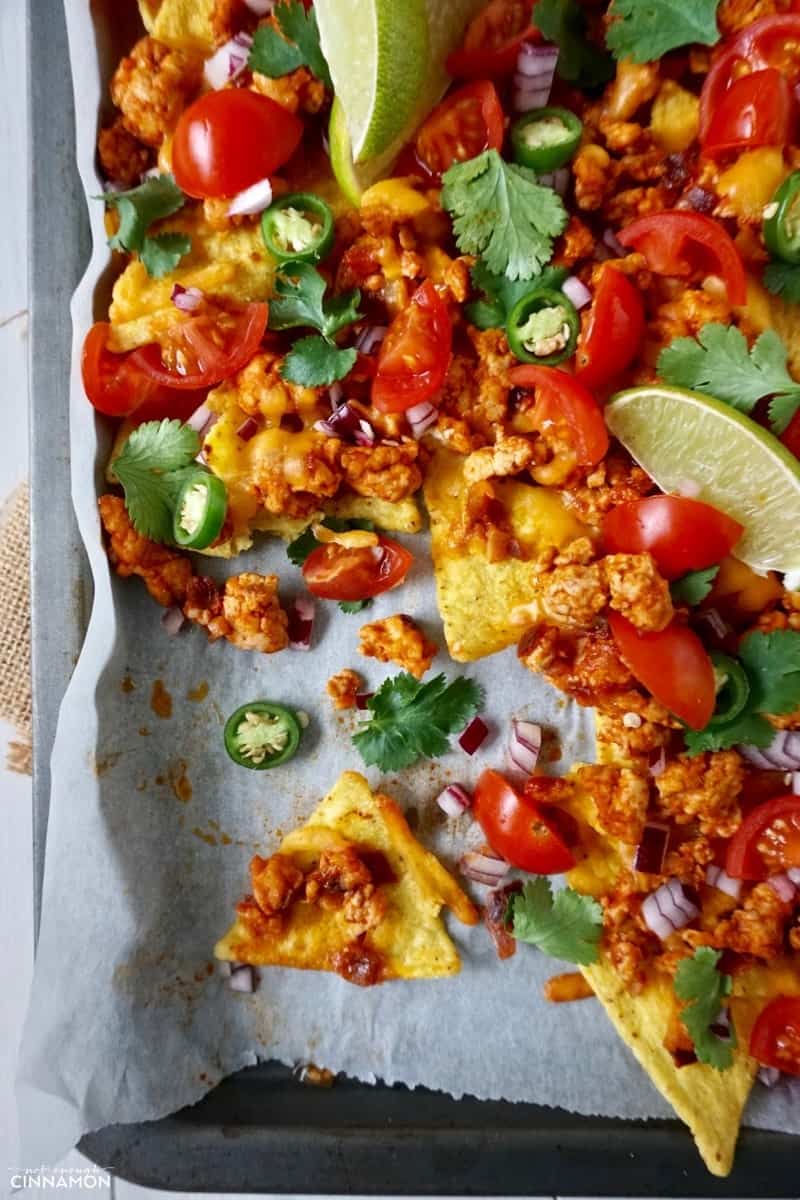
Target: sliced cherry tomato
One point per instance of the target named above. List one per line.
(516, 828)
(769, 42)
(614, 331)
(676, 242)
(336, 572)
(415, 353)
(466, 123)
(757, 110)
(673, 665)
(202, 350)
(492, 41)
(117, 386)
(563, 399)
(681, 534)
(791, 435)
(775, 1040)
(228, 140)
(768, 840)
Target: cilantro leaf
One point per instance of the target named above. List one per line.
(748, 728)
(567, 925)
(772, 662)
(412, 720)
(783, 279)
(644, 30)
(694, 586)
(275, 55)
(502, 294)
(162, 252)
(316, 362)
(299, 550)
(153, 464)
(299, 302)
(579, 61)
(354, 606)
(719, 364)
(138, 208)
(500, 212)
(703, 988)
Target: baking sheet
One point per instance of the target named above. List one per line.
(126, 1023)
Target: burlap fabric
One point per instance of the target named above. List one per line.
(15, 645)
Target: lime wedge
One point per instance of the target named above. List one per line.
(698, 446)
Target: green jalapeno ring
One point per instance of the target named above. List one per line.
(298, 228)
(556, 335)
(733, 691)
(546, 138)
(782, 226)
(200, 508)
(262, 734)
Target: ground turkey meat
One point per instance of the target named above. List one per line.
(152, 86)
(627, 940)
(637, 591)
(704, 789)
(275, 882)
(123, 159)
(166, 573)
(756, 927)
(398, 639)
(343, 687)
(621, 796)
(245, 610)
(385, 472)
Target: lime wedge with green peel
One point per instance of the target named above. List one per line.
(698, 446)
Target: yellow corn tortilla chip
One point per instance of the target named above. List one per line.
(411, 939)
(477, 597)
(184, 24)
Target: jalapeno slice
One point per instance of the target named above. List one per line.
(298, 228)
(200, 508)
(262, 734)
(546, 138)
(782, 226)
(543, 328)
(733, 689)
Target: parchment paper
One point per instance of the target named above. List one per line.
(128, 1018)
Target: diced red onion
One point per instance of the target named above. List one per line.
(473, 736)
(172, 620)
(794, 875)
(614, 245)
(557, 180)
(783, 887)
(228, 62)
(370, 337)
(260, 7)
(347, 423)
(652, 849)
(252, 200)
(242, 978)
(150, 173)
(524, 744)
(301, 623)
(454, 800)
(782, 754)
(796, 783)
(335, 395)
(660, 765)
(248, 429)
(717, 878)
(668, 909)
(537, 62)
(526, 98)
(420, 417)
(768, 1076)
(186, 299)
(699, 199)
(715, 622)
(362, 699)
(202, 420)
(576, 292)
(483, 868)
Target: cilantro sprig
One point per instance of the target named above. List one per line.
(300, 303)
(154, 462)
(500, 212)
(294, 44)
(694, 586)
(703, 989)
(566, 925)
(783, 279)
(719, 364)
(644, 30)
(138, 209)
(410, 720)
(579, 60)
(502, 294)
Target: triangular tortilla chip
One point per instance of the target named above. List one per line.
(183, 24)
(410, 941)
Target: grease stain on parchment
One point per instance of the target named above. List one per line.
(198, 694)
(161, 700)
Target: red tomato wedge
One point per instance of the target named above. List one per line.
(681, 243)
(673, 665)
(769, 42)
(757, 110)
(415, 353)
(681, 534)
(336, 572)
(516, 828)
(564, 399)
(202, 350)
(614, 332)
(117, 386)
(492, 41)
(228, 140)
(466, 123)
(768, 840)
(791, 435)
(775, 1040)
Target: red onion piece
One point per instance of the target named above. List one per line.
(782, 754)
(524, 745)
(201, 420)
(252, 200)
(370, 337)
(796, 783)
(700, 199)
(173, 620)
(768, 1076)
(248, 429)
(615, 246)
(668, 909)
(335, 395)
(652, 849)
(420, 417)
(454, 800)
(717, 878)
(715, 622)
(260, 7)
(301, 623)
(242, 978)
(794, 875)
(362, 699)
(783, 887)
(186, 299)
(483, 868)
(537, 62)
(576, 292)
(473, 736)
(346, 423)
(557, 180)
(228, 62)
(660, 765)
(150, 173)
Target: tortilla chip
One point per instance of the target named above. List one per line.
(477, 597)
(411, 939)
(183, 24)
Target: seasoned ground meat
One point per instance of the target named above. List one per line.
(757, 927)
(621, 796)
(276, 881)
(245, 610)
(359, 964)
(166, 574)
(152, 86)
(638, 591)
(343, 687)
(385, 472)
(705, 789)
(123, 159)
(400, 640)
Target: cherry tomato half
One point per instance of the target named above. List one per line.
(769, 42)
(492, 41)
(679, 243)
(228, 140)
(415, 353)
(336, 572)
(117, 386)
(775, 1040)
(516, 828)
(681, 534)
(202, 350)
(565, 400)
(768, 840)
(614, 332)
(466, 123)
(673, 665)
(757, 110)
